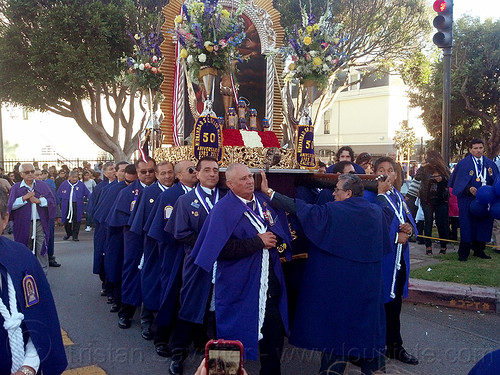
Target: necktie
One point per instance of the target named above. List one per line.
(479, 166)
(251, 204)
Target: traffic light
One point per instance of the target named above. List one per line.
(443, 22)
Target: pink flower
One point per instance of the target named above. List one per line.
(295, 58)
(324, 45)
(308, 57)
(189, 36)
(216, 48)
(223, 43)
(155, 59)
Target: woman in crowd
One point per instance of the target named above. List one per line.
(433, 176)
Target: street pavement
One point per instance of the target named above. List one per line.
(446, 340)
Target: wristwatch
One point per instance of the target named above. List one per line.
(269, 192)
(27, 371)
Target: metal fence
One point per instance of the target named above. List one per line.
(9, 164)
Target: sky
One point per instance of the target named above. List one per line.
(63, 135)
(482, 9)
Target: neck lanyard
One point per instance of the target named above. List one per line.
(207, 204)
(257, 214)
(481, 175)
(398, 212)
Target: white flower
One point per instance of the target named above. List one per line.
(313, 53)
(190, 59)
(202, 57)
(141, 66)
(328, 58)
(326, 68)
(136, 66)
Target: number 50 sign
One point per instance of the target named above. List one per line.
(305, 146)
(207, 140)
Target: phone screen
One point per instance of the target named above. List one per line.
(223, 359)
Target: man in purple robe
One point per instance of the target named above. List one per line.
(34, 322)
(31, 205)
(338, 312)
(245, 235)
(72, 193)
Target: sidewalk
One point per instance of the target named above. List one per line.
(467, 297)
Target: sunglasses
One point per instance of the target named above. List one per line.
(146, 171)
(29, 172)
(191, 170)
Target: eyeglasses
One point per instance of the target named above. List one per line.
(191, 170)
(29, 172)
(337, 189)
(146, 171)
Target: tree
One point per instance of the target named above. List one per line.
(405, 140)
(475, 92)
(64, 57)
(376, 36)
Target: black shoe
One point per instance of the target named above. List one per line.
(146, 333)
(115, 307)
(403, 356)
(76, 239)
(53, 263)
(176, 368)
(462, 259)
(66, 238)
(110, 300)
(163, 350)
(103, 293)
(482, 255)
(124, 322)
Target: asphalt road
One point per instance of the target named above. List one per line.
(447, 341)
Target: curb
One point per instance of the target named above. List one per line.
(446, 294)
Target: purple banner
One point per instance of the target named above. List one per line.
(207, 139)
(304, 146)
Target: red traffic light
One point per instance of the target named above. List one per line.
(439, 6)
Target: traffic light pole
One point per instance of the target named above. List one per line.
(445, 132)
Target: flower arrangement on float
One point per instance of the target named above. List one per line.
(144, 65)
(313, 50)
(209, 35)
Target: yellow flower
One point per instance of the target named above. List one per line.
(184, 53)
(178, 19)
(224, 13)
(307, 40)
(317, 61)
(209, 46)
(291, 67)
(336, 40)
(137, 36)
(201, 7)
(315, 27)
(309, 29)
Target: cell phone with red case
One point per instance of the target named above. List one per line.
(224, 357)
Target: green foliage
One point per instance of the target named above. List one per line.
(405, 139)
(475, 93)
(55, 55)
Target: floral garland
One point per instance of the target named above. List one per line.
(209, 35)
(144, 65)
(313, 49)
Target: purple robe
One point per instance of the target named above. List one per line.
(472, 228)
(80, 192)
(237, 282)
(40, 319)
(337, 310)
(21, 218)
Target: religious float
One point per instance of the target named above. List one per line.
(227, 94)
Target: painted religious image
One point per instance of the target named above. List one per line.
(249, 78)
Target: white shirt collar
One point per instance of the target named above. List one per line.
(24, 184)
